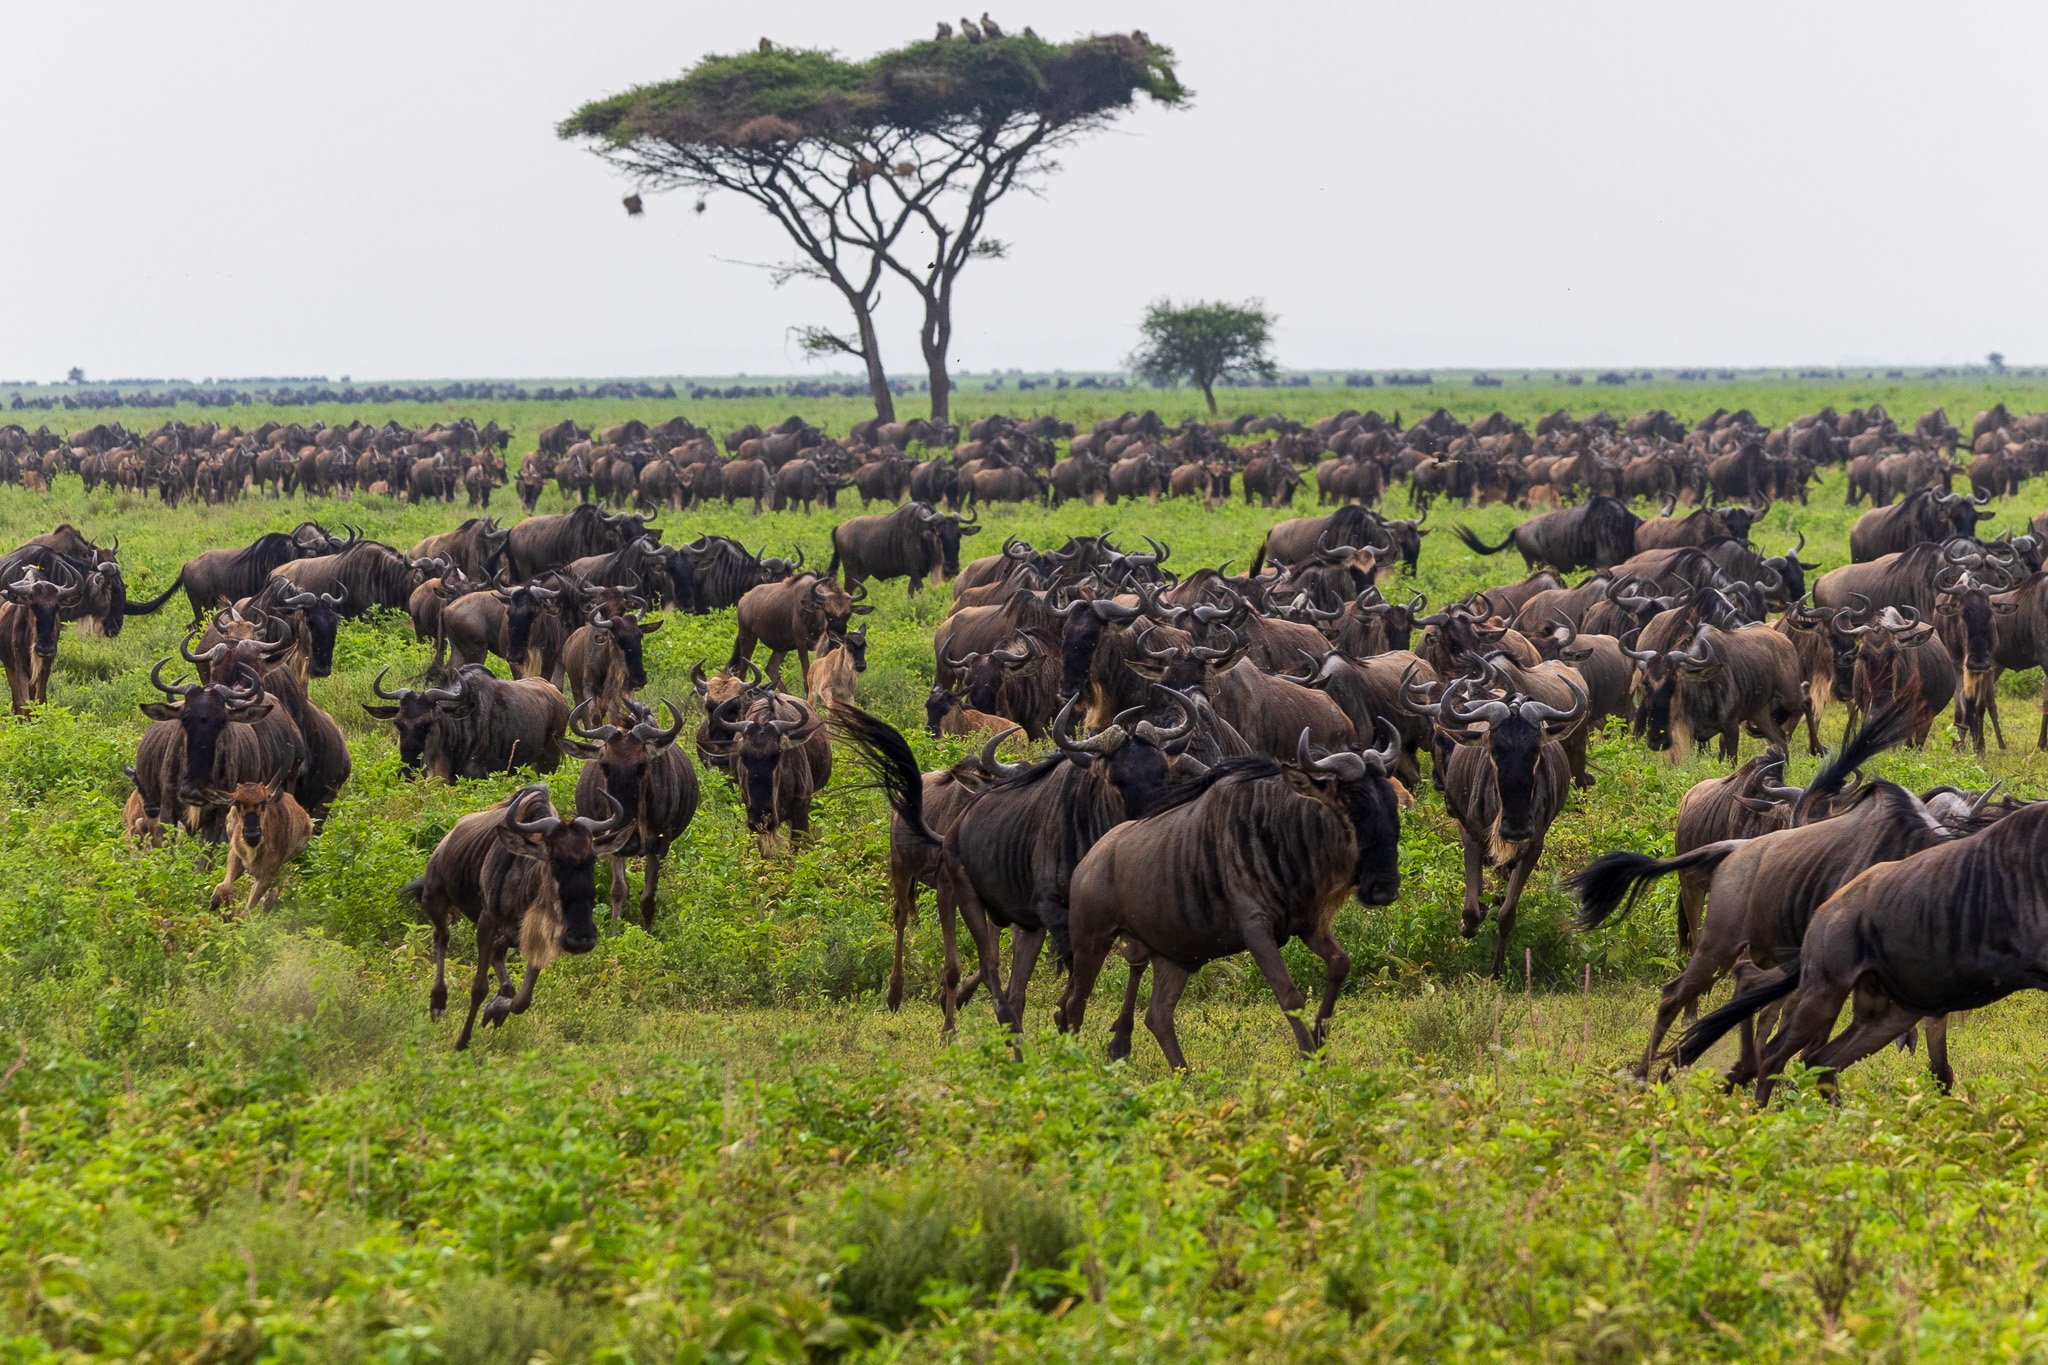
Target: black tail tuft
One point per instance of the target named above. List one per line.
(888, 755)
(134, 608)
(1473, 542)
(1888, 725)
(1709, 1030)
(1618, 879)
(415, 890)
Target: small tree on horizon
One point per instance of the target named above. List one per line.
(1996, 360)
(1202, 343)
(885, 165)
(74, 375)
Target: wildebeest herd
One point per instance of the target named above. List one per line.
(1231, 752)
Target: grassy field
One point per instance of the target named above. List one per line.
(242, 1139)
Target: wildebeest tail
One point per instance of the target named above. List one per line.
(134, 608)
(1890, 724)
(415, 891)
(887, 755)
(1473, 542)
(1710, 1029)
(832, 568)
(1619, 878)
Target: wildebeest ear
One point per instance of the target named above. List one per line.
(380, 712)
(251, 713)
(157, 710)
(581, 748)
(517, 844)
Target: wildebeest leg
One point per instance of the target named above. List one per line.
(1935, 1026)
(1091, 950)
(1991, 710)
(1808, 1021)
(903, 909)
(1259, 942)
(949, 975)
(1025, 945)
(620, 891)
(1169, 979)
(1710, 960)
(650, 879)
(775, 658)
(1518, 877)
(986, 948)
(437, 999)
(1336, 966)
(1574, 746)
(1813, 744)
(226, 890)
(1475, 884)
(1120, 1032)
(2040, 742)
(503, 1005)
(1874, 1023)
(478, 987)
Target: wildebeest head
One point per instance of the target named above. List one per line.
(1880, 646)
(764, 743)
(415, 713)
(569, 850)
(43, 599)
(1514, 731)
(524, 604)
(1086, 619)
(318, 619)
(1405, 536)
(1658, 673)
(204, 714)
(626, 634)
(1791, 571)
(248, 802)
(625, 754)
(1132, 750)
(1361, 785)
(1969, 604)
(945, 532)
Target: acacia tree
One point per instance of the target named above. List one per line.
(889, 165)
(1201, 343)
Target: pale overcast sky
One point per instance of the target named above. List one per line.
(373, 188)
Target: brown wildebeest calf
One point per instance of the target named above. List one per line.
(267, 828)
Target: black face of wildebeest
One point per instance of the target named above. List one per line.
(1375, 811)
(938, 704)
(204, 714)
(323, 624)
(759, 754)
(572, 857)
(627, 636)
(1086, 621)
(414, 714)
(1515, 745)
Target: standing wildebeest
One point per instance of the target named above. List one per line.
(526, 878)
(1727, 679)
(28, 635)
(1270, 480)
(719, 573)
(790, 616)
(521, 625)
(1926, 515)
(1505, 786)
(1008, 857)
(779, 754)
(214, 578)
(539, 544)
(911, 542)
(639, 767)
(606, 661)
(1900, 662)
(368, 574)
(1948, 928)
(207, 740)
(1239, 859)
(1597, 534)
(1989, 632)
(832, 679)
(473, 547)
(478, 726)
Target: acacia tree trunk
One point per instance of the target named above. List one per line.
(871, 353)
(1209, 392)
(938, 333)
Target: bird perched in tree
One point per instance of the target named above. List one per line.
(968, 30)
(767, 46)
(988, 26)
(633, 205)
(1141, 38)
(945, 32)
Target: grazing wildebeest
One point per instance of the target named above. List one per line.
(1597, 534)
(1506, 783)
(1239, 859)
(525, 877)
(267, 828)
(29, 626)
(477, 726)
(911, 542)
(779, 754)
(1951, 927)
(1007, 859)
(638, 766)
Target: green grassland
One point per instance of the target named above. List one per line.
(235, 1139)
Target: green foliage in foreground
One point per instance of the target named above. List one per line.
(242, 1140)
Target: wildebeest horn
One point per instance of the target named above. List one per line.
(649, 731)
(1108, 609)
(994, 766)
(597, 829)
(437, 695)
(1063, 734)
(1164, 735)
(1536, 712)
(177, 689)
(211, 656)
(1413, 700)
(377, 686)
(577, 726)
(543, 825)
